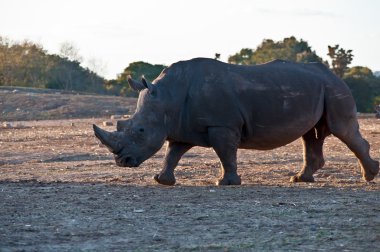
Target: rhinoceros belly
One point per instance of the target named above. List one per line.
(273, 119)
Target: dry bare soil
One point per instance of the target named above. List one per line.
(18, 103)
(61, 191)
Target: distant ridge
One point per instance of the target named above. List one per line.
(23, 104)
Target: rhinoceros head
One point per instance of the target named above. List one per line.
(139, 137)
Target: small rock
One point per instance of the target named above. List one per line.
(158, 238)
(7, 125)
(114, 117)
(107, 123)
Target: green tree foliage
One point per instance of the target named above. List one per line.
(244, 57)
(376, 101)
(69, 75)
(288, 49)
(340, 59)
(365, 87)
(23, 64)
(28, 64)
(136, 70)
(359, 72)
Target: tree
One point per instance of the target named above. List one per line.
(28, 64)
(361, 91)
(288, 49)
(340, 59)
(376, 101)
(70, 75)
(365, 87)
(97, 66)
(22, 64)
(359, 72)
(140, 68)
(242, 58)
(70, 51)
(136, 70)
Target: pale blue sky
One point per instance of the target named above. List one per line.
(119, 32)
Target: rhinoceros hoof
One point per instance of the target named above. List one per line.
(229, 180)
(165, 179)
(372, 172)
(301, 178)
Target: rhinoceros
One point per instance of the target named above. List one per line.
(205, 102)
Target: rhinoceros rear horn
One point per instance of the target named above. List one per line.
(148, 85)
(135, 85)
(107, 139)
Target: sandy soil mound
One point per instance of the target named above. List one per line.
(19, 104)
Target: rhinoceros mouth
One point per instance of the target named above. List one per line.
(126, 161)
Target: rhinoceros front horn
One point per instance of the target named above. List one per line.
(108, 139)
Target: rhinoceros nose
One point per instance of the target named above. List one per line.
(127, 161)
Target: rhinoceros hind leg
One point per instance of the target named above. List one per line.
(174, 152)
(350, 135)
(313, 152)
(225, 143)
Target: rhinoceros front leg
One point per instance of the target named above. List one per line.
(174, 152)
(225, 142)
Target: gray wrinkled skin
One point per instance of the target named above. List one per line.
(204, 102)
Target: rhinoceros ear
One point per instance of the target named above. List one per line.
(135, 85)
(152, 88)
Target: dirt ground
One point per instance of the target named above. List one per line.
(61, 191)
(18, 103)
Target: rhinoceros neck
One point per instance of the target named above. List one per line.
(175, 105)
(172, 117)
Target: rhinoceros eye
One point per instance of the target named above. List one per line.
(141, 130)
